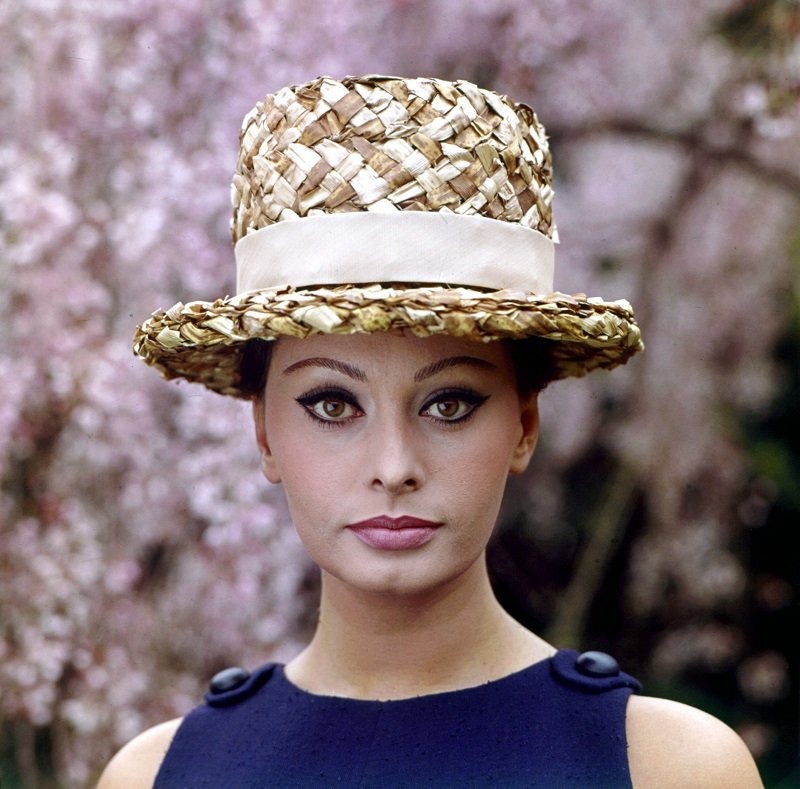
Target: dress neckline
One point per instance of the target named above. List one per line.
(279, 677)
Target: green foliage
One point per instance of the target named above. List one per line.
(760, 27)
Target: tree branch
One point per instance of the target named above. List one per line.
(692, 140)
(603, 535)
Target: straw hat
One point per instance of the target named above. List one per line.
(383, 204)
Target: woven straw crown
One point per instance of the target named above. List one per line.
(391, 145)
(336, 194)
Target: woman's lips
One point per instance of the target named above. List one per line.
(394, 534)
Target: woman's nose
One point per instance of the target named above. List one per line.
(395, 460)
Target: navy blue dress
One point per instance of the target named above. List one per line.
(558, 724)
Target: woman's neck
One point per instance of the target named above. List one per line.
(376, 646)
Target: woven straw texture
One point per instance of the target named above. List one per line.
(387, 144)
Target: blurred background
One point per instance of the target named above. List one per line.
(141, 551)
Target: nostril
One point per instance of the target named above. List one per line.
(410, 483)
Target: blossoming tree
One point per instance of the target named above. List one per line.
(140, 550)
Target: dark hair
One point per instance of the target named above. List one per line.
(531, 358)
(254, 366)
(533, 363)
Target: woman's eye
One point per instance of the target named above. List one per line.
(454, 407)
(332, 409)
(449, 409)
(330, 406)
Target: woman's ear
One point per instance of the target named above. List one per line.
(529, 423)
(269, 466)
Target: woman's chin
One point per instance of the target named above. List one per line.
(402, 574)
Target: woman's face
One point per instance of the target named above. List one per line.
(393, 452)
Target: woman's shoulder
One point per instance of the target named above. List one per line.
(135, 766)
(673, 745)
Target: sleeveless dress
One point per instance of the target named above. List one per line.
(558, 724)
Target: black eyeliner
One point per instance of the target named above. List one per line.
(469, 396)
(330, 392)
(456, 393)
(326, 392)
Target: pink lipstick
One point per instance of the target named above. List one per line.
(394, 534)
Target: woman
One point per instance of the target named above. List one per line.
(386, 230)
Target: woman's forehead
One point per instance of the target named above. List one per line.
(386, 350)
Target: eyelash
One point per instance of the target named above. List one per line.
(471, 398)
(320, 394)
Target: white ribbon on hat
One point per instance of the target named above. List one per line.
(406, 246)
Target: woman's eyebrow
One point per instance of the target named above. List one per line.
(331, 364)
(452, 361)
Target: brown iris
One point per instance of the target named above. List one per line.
(334, 408)
(448, 408)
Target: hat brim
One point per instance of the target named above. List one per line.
(204, 341)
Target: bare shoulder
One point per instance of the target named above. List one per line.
(136, 764)
(674, 745)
